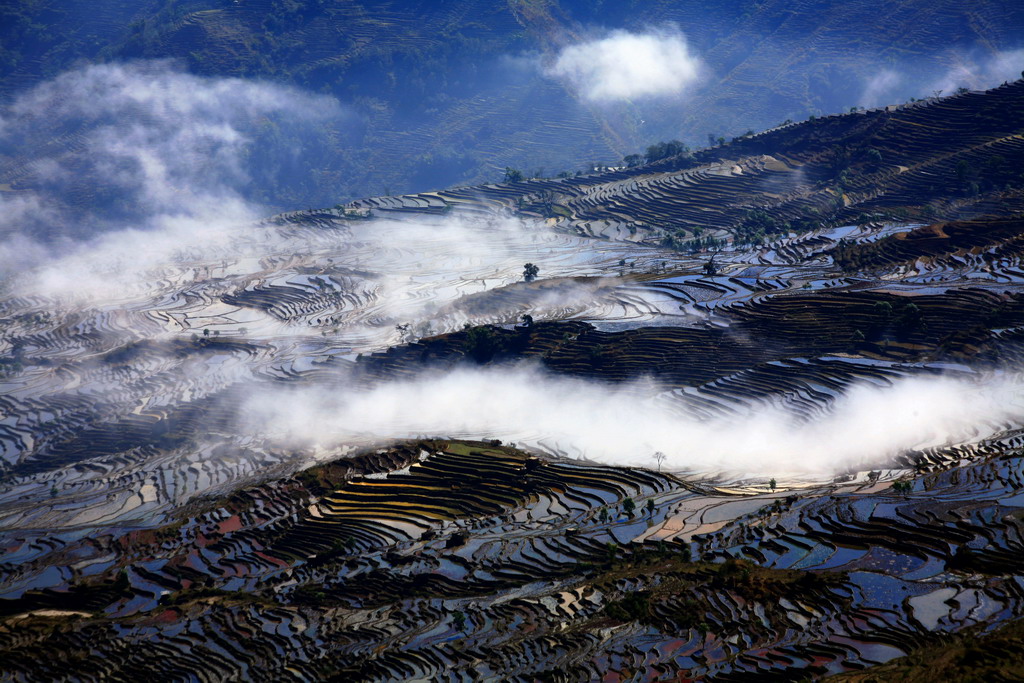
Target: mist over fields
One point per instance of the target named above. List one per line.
(866, 427)
(162, 161)
(164, 175)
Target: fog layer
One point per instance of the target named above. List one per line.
(892, 85)
(158, 159)
(628, 424)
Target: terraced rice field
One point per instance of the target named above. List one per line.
(451, 559)
(102, 382)
(150, 527)
(788, 173)
(362, 569)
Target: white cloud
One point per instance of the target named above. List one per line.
(626, 424)
(881, 89)
(148, 160)
(973, 71)
(626, 65)
(978, 73)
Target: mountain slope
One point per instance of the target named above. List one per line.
(454, 92)
(955, 157)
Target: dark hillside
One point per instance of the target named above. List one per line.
(956, 157)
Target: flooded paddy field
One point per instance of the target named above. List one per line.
(148, 493)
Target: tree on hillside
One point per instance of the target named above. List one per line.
(910, 319)
(629, 505)
(482, 342)
(459, 619)
(530, 272)
(611, 549)
(963, 171)
(513, 175)
(664, 150)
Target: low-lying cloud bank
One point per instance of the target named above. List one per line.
(142, 154)
(625, 65)
(627, 425)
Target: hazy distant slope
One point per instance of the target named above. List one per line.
(785, 59)
(452, 92)
(946, 158)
